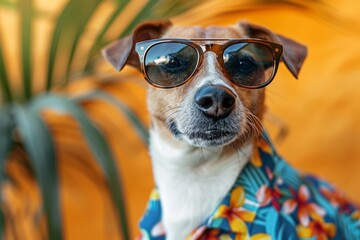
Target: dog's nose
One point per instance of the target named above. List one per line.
(215, 101)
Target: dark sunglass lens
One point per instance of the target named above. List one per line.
(249, 64)
(169, 64)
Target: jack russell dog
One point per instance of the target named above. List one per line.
(217, 174)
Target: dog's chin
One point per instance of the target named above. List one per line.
(204, 138)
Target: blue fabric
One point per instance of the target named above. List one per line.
(270, 200)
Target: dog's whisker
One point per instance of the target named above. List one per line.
(253, 124)
(176, 109)
(203, 158)
(168, 117)
(162, 129)
(220, 152)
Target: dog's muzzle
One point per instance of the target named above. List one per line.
(211, 121)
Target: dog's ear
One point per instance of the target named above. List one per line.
(122, 52)
(294, 53)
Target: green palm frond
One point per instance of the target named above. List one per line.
(8, 3)
(99, 40)
(97, 144)
(131, 116)
(67, 32)
(5, 145)
(39, 145)
(6, 127)
(4, 80)
(2, 223)
(153, 9)
(25, 9)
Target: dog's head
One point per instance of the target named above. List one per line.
(210, 108)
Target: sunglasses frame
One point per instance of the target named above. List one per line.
(143, 47)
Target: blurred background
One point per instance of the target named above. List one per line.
(73, 142)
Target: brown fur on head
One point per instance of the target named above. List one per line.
(171, 109)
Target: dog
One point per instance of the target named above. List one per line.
(217, 174)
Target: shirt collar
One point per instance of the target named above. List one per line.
(238, 209)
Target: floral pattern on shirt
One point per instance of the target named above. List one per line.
(270, 200)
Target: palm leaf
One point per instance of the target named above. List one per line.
(6, 127)
(138, 125)
(67, 32)
(25, 7)
(8, 3)
(153, 9)
(4, 80)
(5, 145)
(38, 144)
(99, 40)
(2, 224)
(159, 9)
(166, 9)
(144, 14)
(79, 32)
(98, 146)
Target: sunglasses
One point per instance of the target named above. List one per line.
(248, 63)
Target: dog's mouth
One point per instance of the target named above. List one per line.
(204, 138)
(209, 134)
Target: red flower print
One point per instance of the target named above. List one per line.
(337, 199)
(210, 234)
(317, 228)
(266, 194)
(305, 209)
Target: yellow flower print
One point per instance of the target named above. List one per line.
(317, 228)
(265, 147)
(225, 237)
(356, 215)
(235, 213)
(305, 207)
(256, 159)
(259, 236)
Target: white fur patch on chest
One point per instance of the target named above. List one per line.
(192, 181)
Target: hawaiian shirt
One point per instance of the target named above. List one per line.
(270, 200)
